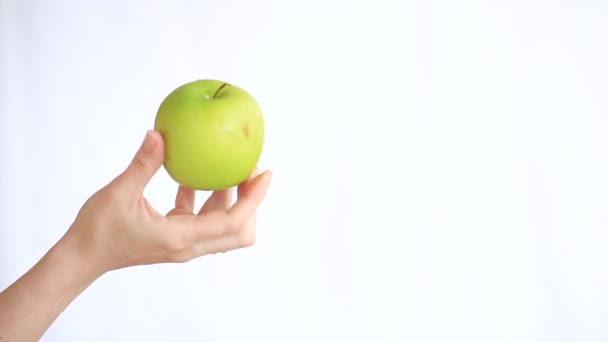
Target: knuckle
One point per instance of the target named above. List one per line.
(247, 239)
(220, 250)
(237, 226)
(139, 163)
(174, 244)
(218, 225)
(110, 195)
(233, 221)
(180, 257)
(222, 230)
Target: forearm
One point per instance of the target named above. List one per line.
(30, 305)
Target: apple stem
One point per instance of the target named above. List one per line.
(219, 89)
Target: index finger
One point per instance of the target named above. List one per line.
(250, 199)
(189, 229)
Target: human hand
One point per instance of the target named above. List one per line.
(118, 228)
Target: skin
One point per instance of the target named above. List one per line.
(117, 228)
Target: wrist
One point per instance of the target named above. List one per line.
(77, 258)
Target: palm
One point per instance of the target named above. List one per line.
(224, 221)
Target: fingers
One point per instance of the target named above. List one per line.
(222, 200)
(189, 237)
(219, 200)
(184, 200)
(148, 159)
(243, 186)
(250, 196)
(197, 236)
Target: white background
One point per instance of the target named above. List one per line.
(440, 166)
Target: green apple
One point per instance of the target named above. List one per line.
(213, 133)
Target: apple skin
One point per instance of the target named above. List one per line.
(213, 133)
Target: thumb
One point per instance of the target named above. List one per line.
(148, 159)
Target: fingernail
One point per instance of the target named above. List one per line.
(149, 143)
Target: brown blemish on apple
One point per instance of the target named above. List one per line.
(246, 131)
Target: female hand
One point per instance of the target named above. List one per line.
(118, 228)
